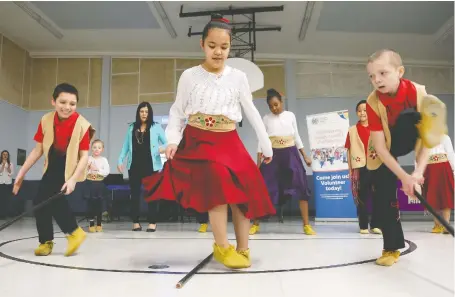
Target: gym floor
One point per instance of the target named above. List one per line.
(338, 261)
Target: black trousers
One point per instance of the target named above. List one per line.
(202, 218)
(59, 209)
(135, 180)
(404, 137)
(94, 194)
(95, 210)
(362, 211)
(5, 199)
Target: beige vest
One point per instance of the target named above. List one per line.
(357, 149)
(72, 152)
(373, 160)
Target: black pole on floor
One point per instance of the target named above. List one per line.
(190, 274)
(31, 211)
(434, 213)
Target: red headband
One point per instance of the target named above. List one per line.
(222, 20)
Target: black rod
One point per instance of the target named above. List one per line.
(234, 11)
(275, 28)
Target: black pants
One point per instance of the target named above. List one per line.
(95, 210)
(202, 218)
(135, 179)
(94, 194)
(5, 199)
(362, 211)
(404, 138)
(59, 209)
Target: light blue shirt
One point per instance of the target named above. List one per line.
(157, 136)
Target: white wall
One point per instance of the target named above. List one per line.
(13, 130)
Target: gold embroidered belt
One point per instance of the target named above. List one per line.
(282, 141)
(214, 123)
(95, 177)
(438, 158)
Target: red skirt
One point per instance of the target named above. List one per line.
(439, 185)
(211, 169)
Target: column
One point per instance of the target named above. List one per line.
(105, 103)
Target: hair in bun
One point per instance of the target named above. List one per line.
(273, 93)
(216, 21)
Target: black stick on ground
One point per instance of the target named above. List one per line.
(438, 216)
(31, 211)
(190, 274)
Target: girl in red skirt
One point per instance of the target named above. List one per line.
(439, 181)
(285, 176)
(208, 167)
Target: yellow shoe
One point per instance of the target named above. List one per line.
(230, 258)
(433, 123)
(437, 229)
(44, 249)
(388, 258)
(245, 253)
(99, 228)
(203, 228)
(254, 229)
(308, 230)
(91, 229)
(376, 231)
(75, 240)
(364, 231)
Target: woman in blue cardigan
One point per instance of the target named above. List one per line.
(141, 147)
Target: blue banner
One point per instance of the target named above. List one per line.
(332, 187)
(333, 197)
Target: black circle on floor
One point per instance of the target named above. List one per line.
(412, 247)
(159, 266)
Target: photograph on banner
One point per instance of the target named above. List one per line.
(333, 158)
(327, 136)
(332, 188)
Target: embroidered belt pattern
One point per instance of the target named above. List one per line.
(216, 123)
(95, 177)
(437, 158)
(282, 141)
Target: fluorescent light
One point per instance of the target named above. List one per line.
(306, 19)
(167, 23)
(39, 19)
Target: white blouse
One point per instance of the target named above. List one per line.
(445, 147)
(284, 124)
(6, 178)
(216, 94)
(101, 163)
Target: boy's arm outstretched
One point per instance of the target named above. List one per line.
(34, 156)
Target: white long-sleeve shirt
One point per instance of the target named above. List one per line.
(445, 147)
(6, 178)
(101, 163)
(215, 94)
(284, 124)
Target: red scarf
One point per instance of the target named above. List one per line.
(406, 97)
